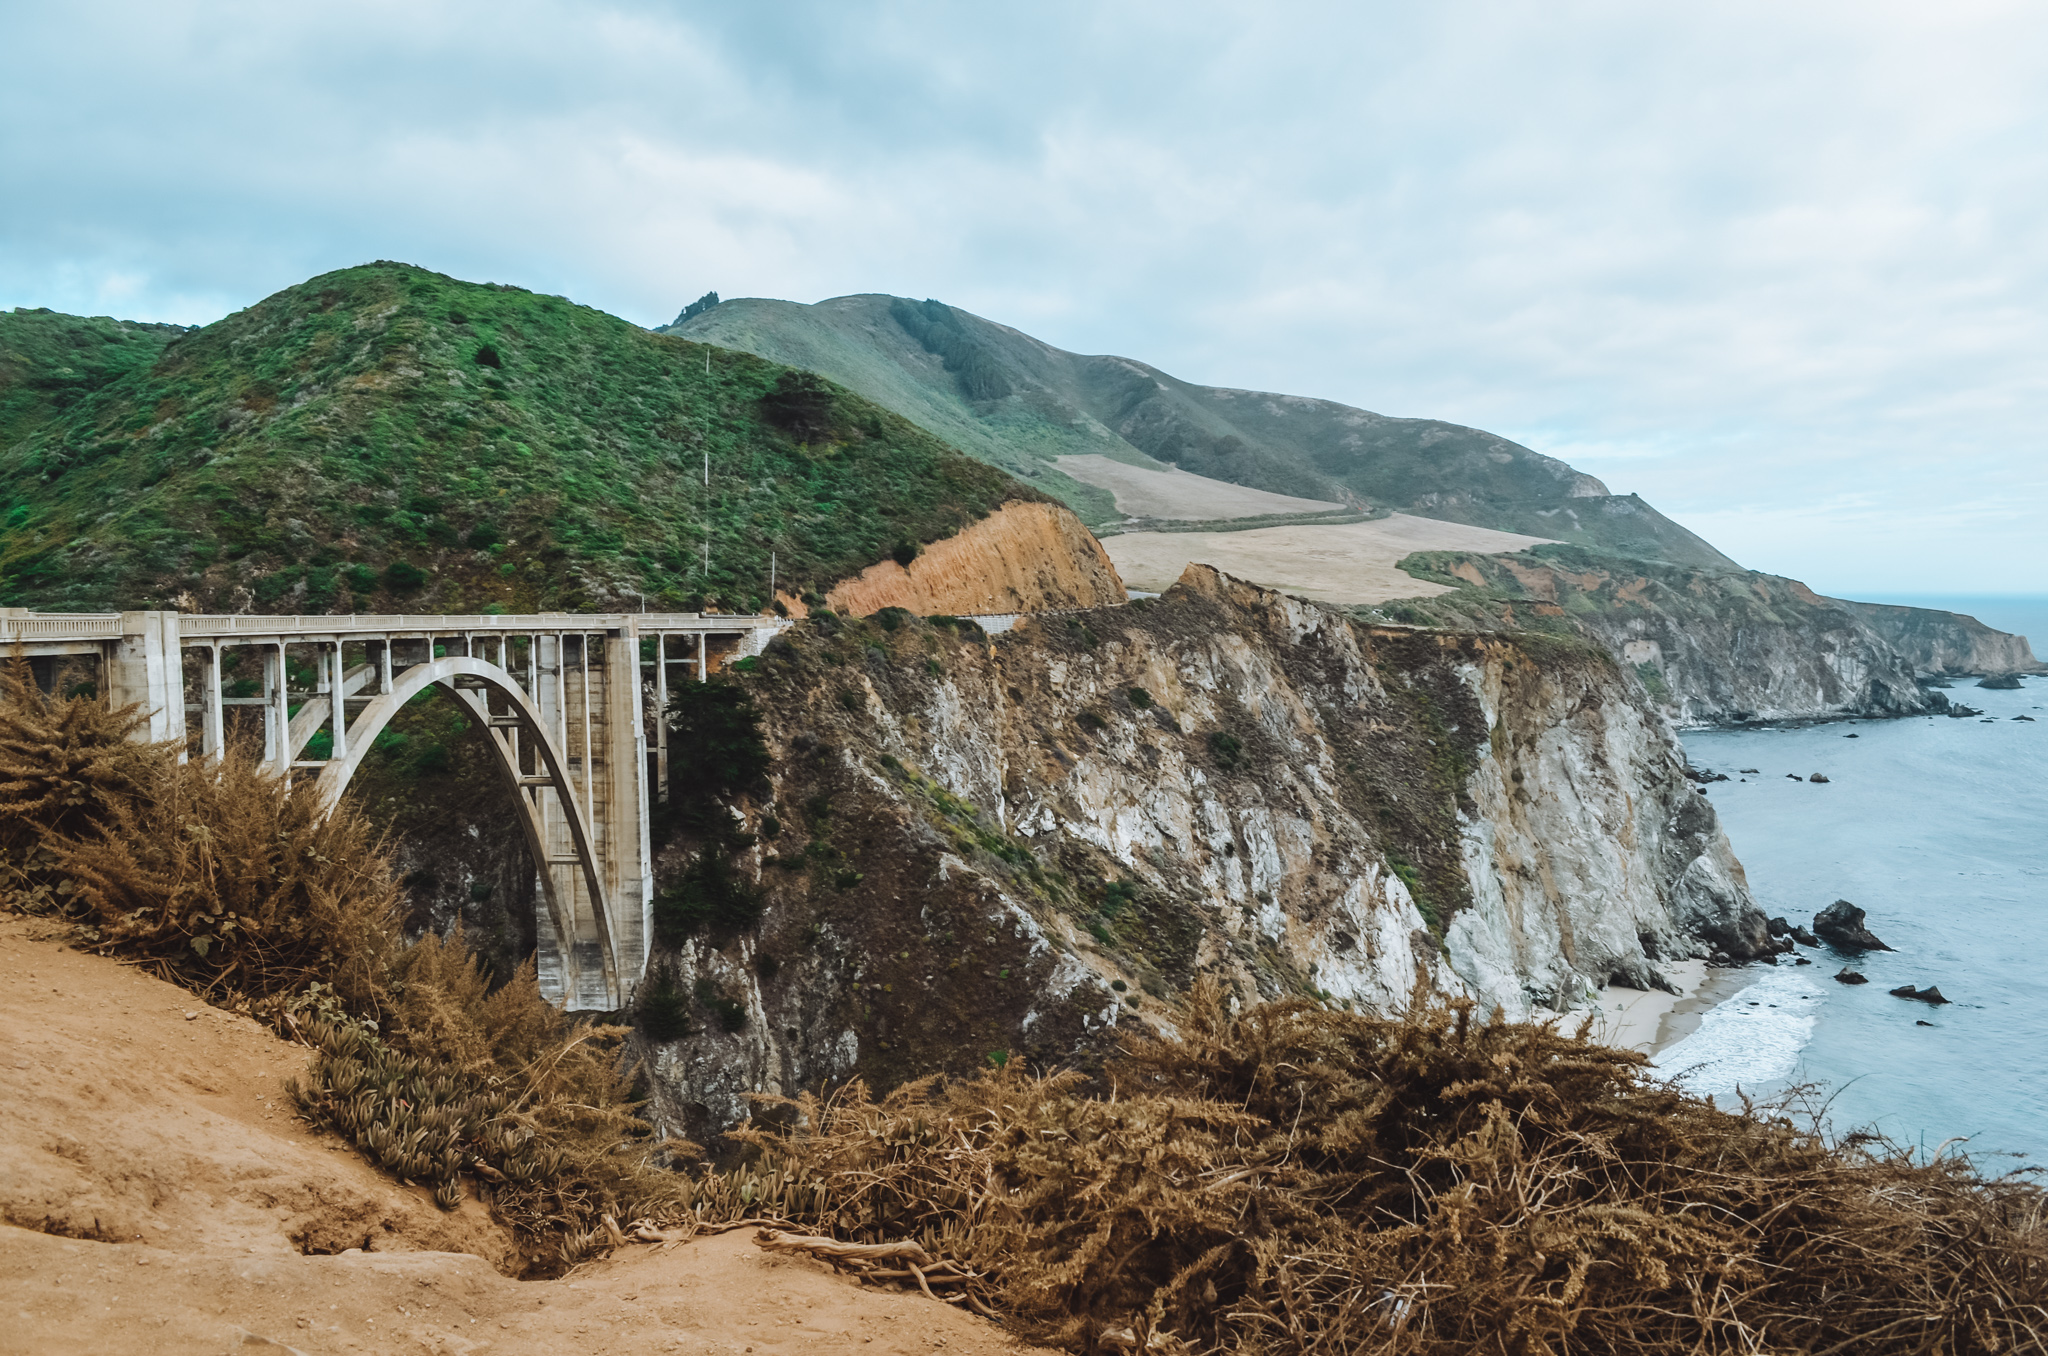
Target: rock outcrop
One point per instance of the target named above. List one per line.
(1710, 646)
(1024, 557)
(1840, 924)
(1950, 643)
(979, 848)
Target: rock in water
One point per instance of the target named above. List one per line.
(1778, 927)
(1804, 938)
(1930, 994)
(1817, 777)
(2004, 682)
(1847, 976)
(1841, 924)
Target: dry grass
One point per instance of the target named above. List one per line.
(1303, 1180)
(212, 875)
(1283, 1179)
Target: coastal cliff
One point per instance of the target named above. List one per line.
(974, 848)
(1948, 644)
(1709, 647)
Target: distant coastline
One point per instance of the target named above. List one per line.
(2020, 614)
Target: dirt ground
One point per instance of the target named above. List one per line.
(1346, 563)
(1182, 494)
(158, 1196)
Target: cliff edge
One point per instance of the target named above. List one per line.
(974, 848)
(1024, 557)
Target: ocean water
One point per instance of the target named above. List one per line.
(1938, 827)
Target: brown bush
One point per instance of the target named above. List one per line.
(235, 887)
(65, 763)
(1304, 1180)
(254, 897)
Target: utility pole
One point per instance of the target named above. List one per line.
(771, 581)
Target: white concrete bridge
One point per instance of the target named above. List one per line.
(559, 696)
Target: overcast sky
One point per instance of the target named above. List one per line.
(1779, 268)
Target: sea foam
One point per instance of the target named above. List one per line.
(1752, 1039)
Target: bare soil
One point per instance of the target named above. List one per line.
(1182, 494)
(1350, 563)
(159, 1196)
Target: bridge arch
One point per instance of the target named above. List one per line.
(550, 773)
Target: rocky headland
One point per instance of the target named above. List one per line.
(1713, 646)
(973, 848)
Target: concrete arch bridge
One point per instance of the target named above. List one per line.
(561, 697)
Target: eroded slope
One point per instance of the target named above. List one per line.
(975, 848)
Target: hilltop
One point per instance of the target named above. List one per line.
(385, 437)
(1021, 404)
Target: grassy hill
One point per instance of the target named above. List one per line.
(1019, 403)
(384, 437)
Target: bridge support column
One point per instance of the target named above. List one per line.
(146, 666)
(629, 865)
(660, 716)
(212, 719)
(337, 701)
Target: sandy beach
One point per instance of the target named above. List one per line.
(1651, 1021)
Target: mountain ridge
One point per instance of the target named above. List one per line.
(389, 437)
(1053, 403)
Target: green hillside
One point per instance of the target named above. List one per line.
(1019, 403)
(384, 437)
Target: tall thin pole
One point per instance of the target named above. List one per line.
(771, 580)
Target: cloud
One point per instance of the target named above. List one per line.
(1779, 268)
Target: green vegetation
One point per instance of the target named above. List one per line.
(730, 1012)
(938, 328)
(661, 1007)
(1021, 404)
(714, 736)
(710, 896)
(387, 437)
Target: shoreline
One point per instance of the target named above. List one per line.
(1651, 1022)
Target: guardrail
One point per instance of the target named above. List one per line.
(90, 627)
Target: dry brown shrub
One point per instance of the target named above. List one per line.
(65, 763)
(214, 875)
(234, 886)
(1304, 1180)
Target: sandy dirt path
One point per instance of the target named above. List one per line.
(1346, 563)
(1144, 493)
(158, 1196)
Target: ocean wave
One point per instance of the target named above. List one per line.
(1749, 1041)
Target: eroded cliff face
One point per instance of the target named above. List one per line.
(1009, 847)
(1708, 646)
(1024, 557)
(1948, 644)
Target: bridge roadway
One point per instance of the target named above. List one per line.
(559, 695)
